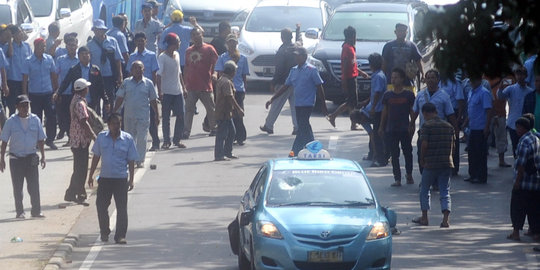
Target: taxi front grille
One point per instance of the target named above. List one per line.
(324, 266)
(264, 60)
(331, 241)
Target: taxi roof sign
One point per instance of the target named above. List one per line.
(314, 150)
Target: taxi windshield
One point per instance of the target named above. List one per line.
(326, 188)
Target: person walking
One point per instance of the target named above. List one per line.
(16, 50)
(171, 91)
(239, 81)
(39, 81)
(138, 94)
(115, 177)
(438, 138)
(151, 27)
(25, 135)
(284, 61)
(394, 125)
(198, 74)
(182, 31)
(81, 135)
(226, 108)
(307, 83)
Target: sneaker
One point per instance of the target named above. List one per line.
(165, 146)
(60, 136)
(153, 149)
(222, 159)
(231, 156)
(205, 128)
(240, 143)
(267, 130)
(40, 215)
(121, 241)
(180, 145)
(51, 145)
(20, 216)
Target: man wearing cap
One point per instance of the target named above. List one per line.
(151, 27)
(17, 51)
(63, 64)
(80, 134)
(39, 81)
(117, 32)
(182, 31)
(239, 81)
(226, 107)
(155, 9)
(105, 53)
(25, 135)
(307, 83)
(138, 94)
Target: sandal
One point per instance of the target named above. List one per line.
(420, 221)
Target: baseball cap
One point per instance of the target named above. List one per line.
(231, 37)
(154, 3)
(177, 16)
(38, 40)
(99, 24)
(22, 99)
(146, 5)
(300, 51)
(80, 84)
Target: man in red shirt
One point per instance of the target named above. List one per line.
(198, 76)
(348, 76)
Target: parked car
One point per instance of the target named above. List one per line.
(260, 37)
(18, 12)
(71, 15)
(312, 212)
(375, 24)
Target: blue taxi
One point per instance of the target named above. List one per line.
(312, 212)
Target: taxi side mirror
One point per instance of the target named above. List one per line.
(246, 217)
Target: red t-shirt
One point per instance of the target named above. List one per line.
(348, 58)
(199, 67)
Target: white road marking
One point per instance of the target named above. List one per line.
(332, 143)
(97, 246)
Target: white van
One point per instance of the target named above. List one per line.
(19, 13)
(72, 16)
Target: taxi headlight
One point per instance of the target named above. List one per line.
(378, 231)
(268, 229)
(245, 49)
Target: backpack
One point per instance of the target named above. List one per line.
(95, 121)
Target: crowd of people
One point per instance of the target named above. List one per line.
(123, 76)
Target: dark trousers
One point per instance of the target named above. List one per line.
(153, 129)
(76, 188)
(418, 147)
(109, 85)
(304, 133)
(63, 113)
(525, 203)
(42, 103)
(477, 155)
(107, 188)
(25, 168)
(393, 140)
(224, 138)
(174, 103)
(455, 155)
(378, 141)
(15, 89)
(241, 133)
(514, 138)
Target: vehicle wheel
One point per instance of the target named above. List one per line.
(243, 262)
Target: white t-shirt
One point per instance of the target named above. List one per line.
(169, 70)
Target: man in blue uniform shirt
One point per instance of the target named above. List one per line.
(63, 64)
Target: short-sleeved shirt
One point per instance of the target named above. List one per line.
(198, 68)
(398, 107)
(170, 72)
(439, 135)
(152, 29)
(397, 54)
(22, 141)
(59, 52)
(137, 97)
(515, 94)
(529, 65)
(454, 89)
(184, 33)
(149, 60)
(224, 89)
(439, 98)
(479, 101)
(17, 60)
(241, 71)
(348, 59)
(284, 61)
(3, 63)
(305, 80)
(78, 137)
(115, 154)
(111, 46)
(219, 45)
(63, 64)
(378, 85)
(528, 156)
(39, 73)
(120, 39)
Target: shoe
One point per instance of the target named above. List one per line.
(410, 179)
(470, 179)
(396, 184)
(121, 241)
(165, 146)
(153, 148)
(376, 164)
(140, 165)
(51, 145)
(212, 133)
(104, 238)
(294, 132)
(241, 143)
(40, 215)
(180, 145)
(443, 225)
(267, 130)
(206, 128)
(232, 156)
(222, 159)
(420, 221)
(70, 198)
(60, 136)
(20, 216)
(355, 127)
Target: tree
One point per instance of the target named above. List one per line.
(483, 36)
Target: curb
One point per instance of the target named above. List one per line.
(62, 254)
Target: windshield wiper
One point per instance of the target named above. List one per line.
(357, 203)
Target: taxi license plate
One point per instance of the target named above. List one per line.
(325, 256)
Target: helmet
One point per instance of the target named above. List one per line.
(177, 16)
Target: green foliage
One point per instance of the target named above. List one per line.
(483, 36)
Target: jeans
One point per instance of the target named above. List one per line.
(43, 103)
(430, 176)
(393, 140)
(15, 89)
(174, 103)
(107, 188)
(138, 128)
(63, 113)
(304, 133)
(153, 129)
(76, 188)
(477, 155)
(277, 105)
(241, 134)
(224, 138)
(525, 203)
(514, 138)
(21, 168)
(207, 99)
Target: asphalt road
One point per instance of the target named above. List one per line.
(179, 212)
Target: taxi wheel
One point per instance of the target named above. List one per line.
(243, 262)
